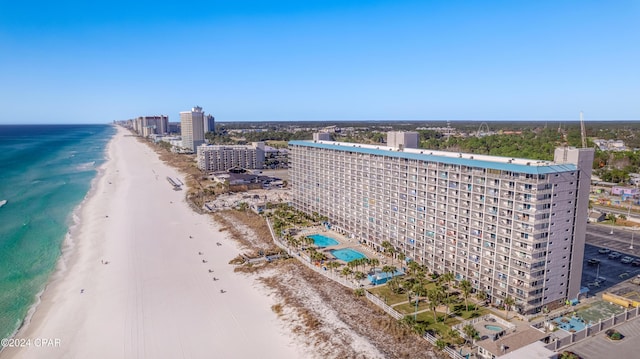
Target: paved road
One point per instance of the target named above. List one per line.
(617, 211)
(620, 241)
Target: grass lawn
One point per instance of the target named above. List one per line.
(385, 293)
(460, 311)
(407, 308)
(439, 327)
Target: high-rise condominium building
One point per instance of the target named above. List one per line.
(209, 124)
(223, 157)
(192, 128)
(512, 227)
(151, 125)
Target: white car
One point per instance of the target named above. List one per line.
(626, 260)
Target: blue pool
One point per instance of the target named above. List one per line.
(347, 254)
(574, 323)
(495, 328)
(323, 241)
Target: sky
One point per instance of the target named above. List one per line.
(248, 60)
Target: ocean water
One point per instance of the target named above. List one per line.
(45, 173)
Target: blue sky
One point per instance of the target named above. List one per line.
(99, 61)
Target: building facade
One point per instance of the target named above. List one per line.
(214, 158)
(192, 128)
(512, 227)
(151, 125)
(209, 124)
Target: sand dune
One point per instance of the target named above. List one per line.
(155, 298)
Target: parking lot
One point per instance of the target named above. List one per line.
(610, 271)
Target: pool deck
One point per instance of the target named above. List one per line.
(345, 242)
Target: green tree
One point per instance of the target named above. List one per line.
(441, 344)
(388, 249)
(508, 302)
(435, 299)
(346, 271)
(414, 267)
(374, 262)
(465, 287)
(471, 334)
(333, 265)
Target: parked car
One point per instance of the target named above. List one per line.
(614, 255)
(636, 263)
(604, 250)
(626, 260)
(593, 262)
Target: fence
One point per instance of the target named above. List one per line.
(452, 353)
(372, 298)
(380, 303)
(592, 330)
(486, 317)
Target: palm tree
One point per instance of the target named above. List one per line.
(307, 240)
(389, 270)
(388, 249)
(346, 271)
(447, 278)
(482, 297)
(454, 335)
(333, 265)
(435, 298)
(359, 276)
(374, 262)
(419, 290)
(413, 267)
(394, 284)
(466, 287)
(470, 333)
(508, 302)
(401, 256)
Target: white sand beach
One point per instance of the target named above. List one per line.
(155, 298)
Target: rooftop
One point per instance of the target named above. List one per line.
(513, 341)
(520, 165)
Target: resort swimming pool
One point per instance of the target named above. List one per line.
(323, 241)
(347, 254)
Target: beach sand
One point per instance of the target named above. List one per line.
(155, 298)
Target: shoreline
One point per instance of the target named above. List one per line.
(66, 250)
(136, 290)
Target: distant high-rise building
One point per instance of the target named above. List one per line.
(221, 158)
(151, 125)
(192, 128)
(209, 124)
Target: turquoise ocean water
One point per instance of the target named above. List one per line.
(45, 173)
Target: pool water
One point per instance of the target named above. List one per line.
(495, 328)
(323, 241)
(574, 323)
(347, 254)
